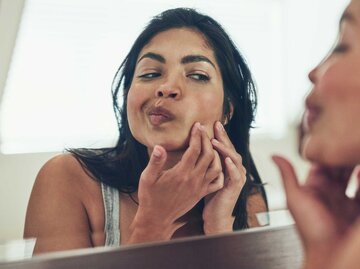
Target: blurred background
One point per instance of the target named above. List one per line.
(58, 59)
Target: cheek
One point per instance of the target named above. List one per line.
(329, 86)
(335, 139)
(134, 102)
(209, 110)
(340, 80)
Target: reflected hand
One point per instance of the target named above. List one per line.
(217, 213)
(323, 213)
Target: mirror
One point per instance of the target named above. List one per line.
(279, 55)
(275, 248)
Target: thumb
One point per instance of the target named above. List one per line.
(289, 178)
(156, 163)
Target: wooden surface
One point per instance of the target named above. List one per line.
(278, 248)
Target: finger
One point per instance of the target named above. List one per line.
(215, 168)
(207, 154)
(338, 173)
(155, 166)
(339, 177)
(216, 184)
(236, 176)
(226, 151)
(289, 178)
(221, 135)
(328, 179)
(192, 153)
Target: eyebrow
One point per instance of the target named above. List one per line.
(347, 16)
(196, 58)
(185, 60)
(153, 56)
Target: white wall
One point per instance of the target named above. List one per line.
(17, 177)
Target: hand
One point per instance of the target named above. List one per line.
(324, 215)
(165, 196)
(217, 213)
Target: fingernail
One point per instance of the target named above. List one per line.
(275, 159)
(228, 160)
(219, 126)
(214, 141)
(157, 152)
(195, 128)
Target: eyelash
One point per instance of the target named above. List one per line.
(150, 75)
(340, 48)
(200, 77)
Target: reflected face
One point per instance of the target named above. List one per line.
(176, 83)
(332, 118)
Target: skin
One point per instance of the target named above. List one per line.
(175, 80)
(191, 157)
(326, 218)
(186, 88)
(335, 98)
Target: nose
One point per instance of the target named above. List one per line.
(167, 91)
(313, 75)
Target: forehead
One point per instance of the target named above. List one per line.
(352, 13)
(179, 41)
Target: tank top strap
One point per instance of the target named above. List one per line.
(112, 215)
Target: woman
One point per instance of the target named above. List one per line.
(182, 164)
(326, 218)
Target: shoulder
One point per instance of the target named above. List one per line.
(63, 170)
(61, 165)
(63, 175)
(57, 205)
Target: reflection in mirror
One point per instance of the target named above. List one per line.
(179, 171)
(279, 94)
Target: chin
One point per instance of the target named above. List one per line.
(330, 152)
(180, 146)
(327, 155)
(168, 145)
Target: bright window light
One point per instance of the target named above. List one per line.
(58, 91)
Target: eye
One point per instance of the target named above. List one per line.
(150, 75)
(199, 77)
(341, 48)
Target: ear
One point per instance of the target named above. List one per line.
(228, 118)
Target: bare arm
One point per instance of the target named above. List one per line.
(56, 215)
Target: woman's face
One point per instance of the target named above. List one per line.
(332, 118)
(176, 83)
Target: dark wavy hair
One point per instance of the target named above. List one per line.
(121, 166)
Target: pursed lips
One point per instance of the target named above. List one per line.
(159, 115)
(311, 114)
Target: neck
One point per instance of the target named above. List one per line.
(173, 157)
